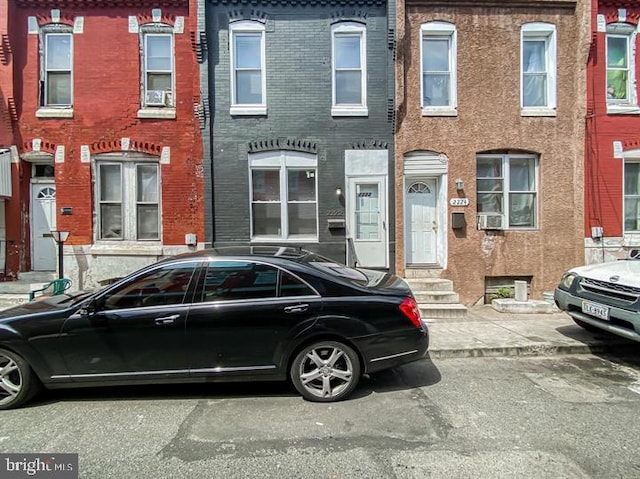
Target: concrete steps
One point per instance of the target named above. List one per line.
(13, 293)
(435, 296)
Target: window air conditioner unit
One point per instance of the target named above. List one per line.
(156, 98)
(490, 222)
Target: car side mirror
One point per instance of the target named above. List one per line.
(634, 254)
(89, 309)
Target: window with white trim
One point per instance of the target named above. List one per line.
(128, 197)
(349, 69)
(248, 77)
(158, 66)
(620, 55)
(284, 198)
(538, 68)
(508, 185)
(438, 64)
(631, 196)
(56, 83)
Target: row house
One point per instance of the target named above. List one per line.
(489, 145)
(106, 137)
(612, 143)
(301, 97)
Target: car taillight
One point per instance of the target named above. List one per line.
(410, 309)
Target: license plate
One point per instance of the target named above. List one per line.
(595, 309)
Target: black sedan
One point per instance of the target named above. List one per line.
(219, 314)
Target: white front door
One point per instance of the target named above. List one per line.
(421, 221)
(367, 208)
(43, 220)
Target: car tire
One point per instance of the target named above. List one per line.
(18, 383)
(587, 326)
(325, 371)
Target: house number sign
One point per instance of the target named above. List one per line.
(459, 201)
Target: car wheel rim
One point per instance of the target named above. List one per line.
(326, 371)
(10, 379)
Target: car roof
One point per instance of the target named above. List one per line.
(275, 253)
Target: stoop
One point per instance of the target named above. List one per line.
(435, 296)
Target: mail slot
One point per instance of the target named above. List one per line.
(47, 235)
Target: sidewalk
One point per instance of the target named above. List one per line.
(487, 332)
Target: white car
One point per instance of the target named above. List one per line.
(604, 296)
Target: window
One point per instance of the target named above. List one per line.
(632, 196)
(349, 77)
(248, 79)
(283, 196)
(128, 200)
(232, 280)
(620, 66)
(56, 82)
(438, 68)
(158, 67)
(161, 286)
(538, 67)
(507, 185)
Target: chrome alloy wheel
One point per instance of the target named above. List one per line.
(326, 371)
(11, 380)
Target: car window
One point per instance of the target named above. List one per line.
(340, 270)
(166, 285)
(230, 280)
(292, 286)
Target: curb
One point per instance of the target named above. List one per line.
(536, 350)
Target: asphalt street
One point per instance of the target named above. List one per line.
(560, 416)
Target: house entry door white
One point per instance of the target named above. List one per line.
(367, 208)
(43, 220)
(421, 225)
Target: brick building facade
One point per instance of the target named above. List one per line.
(302, 137)
(489, 146)
(107, 143)
(612, 147)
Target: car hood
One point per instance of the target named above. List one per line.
(625, 272)
(32, 308)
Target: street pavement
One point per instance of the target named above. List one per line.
(487, 332)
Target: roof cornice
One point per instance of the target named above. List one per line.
(496, 3)
(100, 4)
(300, 3)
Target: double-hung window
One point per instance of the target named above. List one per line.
(284, 199)
(507, 185)
(621, 92)
(57, 68)
(128, 195)
(632, 196)
(438, 59)
(349, 78)
(538, 69)
(157, 67)
(248, 78)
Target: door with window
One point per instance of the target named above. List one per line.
(43, 220)
(367, 213)
(421, 227)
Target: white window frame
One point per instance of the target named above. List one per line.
(157, 111)
(361, 109)
(129, 200)
(630, 157)
(506, 191)
(630, 105)
(45, 108)
(440, 30)
(283, 161)
(250, 27)
(546, 32)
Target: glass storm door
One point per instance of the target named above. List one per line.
(420, 222)
(368, 221)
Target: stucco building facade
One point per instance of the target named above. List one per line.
(490, 141)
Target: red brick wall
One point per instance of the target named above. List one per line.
(106, 98)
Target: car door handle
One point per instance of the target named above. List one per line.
(166, 320)
(298, 308)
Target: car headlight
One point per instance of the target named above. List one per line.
(567, 280)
